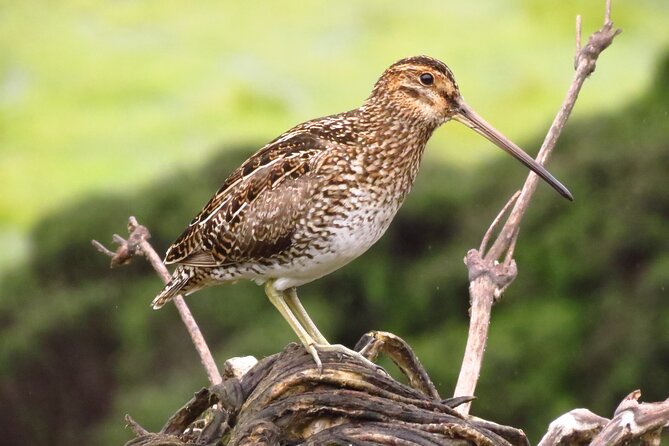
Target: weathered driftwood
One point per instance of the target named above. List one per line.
(284, 399)
(632, 420)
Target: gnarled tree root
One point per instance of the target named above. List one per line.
(284, 399)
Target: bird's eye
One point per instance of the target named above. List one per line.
(426, 79)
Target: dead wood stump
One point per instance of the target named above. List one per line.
(285, 399)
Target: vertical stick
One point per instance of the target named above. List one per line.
(186, 316)
(488, 278)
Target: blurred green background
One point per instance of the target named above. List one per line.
(111, 109)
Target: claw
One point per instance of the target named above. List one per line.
(311, 348)
(341, 349)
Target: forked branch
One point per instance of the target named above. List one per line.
(488, 278)
(138, 243)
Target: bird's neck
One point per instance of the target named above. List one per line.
(394, 141)
(389, 121)
(394, 131)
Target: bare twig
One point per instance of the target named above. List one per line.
(512, 246)
(587, 59)
(495, 222)
(134, 426)
(607, 16)
(486, 283)
(138, 243)
(102, 248)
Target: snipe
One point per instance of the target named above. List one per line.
(323, 192)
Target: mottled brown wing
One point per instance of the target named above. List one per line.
(253, 214)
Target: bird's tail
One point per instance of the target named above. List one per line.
(181, 282)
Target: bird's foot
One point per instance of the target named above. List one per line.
(343, 350)
(311, 348)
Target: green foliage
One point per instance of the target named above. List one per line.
(100, 96)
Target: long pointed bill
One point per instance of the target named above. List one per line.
(471, 119)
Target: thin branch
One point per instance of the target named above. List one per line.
(587, 59)
(607, 17)
(495, 222)
(102, 248)
(138, 243)
(487, 278)
(134, 426)
(512, 247)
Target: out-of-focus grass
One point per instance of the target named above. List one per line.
(107, 95)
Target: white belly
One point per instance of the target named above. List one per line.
(349, 238)
(346, 238)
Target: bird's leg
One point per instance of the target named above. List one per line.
(278, 299)
(300, 313)
(294, 313)
(298, 310)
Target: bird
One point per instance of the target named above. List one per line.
(322, 193)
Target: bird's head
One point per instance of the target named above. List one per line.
(422, 88)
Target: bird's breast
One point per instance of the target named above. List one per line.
(368, 195)
(361, 221)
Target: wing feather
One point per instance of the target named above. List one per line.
(253, 215)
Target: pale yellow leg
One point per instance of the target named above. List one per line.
(322, 344)
(294, 313)
(278, 299)
(298, 310)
